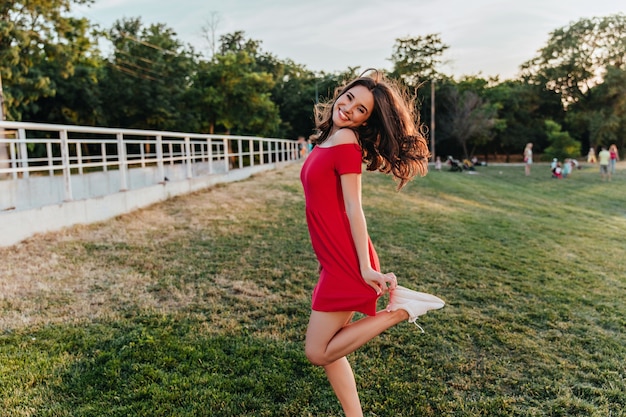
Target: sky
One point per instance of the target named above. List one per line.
(485, 37)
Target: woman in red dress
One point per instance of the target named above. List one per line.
(369, 121)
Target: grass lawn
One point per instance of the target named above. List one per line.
(198, 306)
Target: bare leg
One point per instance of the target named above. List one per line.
(330, 337)
(341, 378)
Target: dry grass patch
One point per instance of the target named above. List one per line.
(101, 270)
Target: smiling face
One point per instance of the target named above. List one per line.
(353, 107)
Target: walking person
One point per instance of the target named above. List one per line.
(368, 121)
(528, 158)
(604, 156)
(613, 158)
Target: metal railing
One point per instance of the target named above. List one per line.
(33, 150)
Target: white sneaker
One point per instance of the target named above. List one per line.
(413, 302)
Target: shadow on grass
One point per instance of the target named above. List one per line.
(164, 366)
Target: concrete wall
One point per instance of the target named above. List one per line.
(17, 224)
(39, 191)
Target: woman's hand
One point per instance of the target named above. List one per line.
(379, 281)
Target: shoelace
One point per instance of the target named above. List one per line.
(414, 321)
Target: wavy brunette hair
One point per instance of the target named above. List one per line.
(392, 139)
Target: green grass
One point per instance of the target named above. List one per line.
(198, 306)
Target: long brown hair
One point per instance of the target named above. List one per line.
(392, 139)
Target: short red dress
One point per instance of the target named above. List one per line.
(341, 286)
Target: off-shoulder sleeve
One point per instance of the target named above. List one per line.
(348, 159)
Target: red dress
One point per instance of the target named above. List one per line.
(341, 286)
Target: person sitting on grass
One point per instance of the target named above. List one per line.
(557, 171)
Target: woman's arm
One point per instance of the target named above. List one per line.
(351, 186)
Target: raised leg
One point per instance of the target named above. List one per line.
(332, 336)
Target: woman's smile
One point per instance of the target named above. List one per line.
(354, 107)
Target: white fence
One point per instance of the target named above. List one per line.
(78, 174)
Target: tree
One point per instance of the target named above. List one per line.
(76, 99)
(469, 119)
(34, 36)
(229, 94)
(562, 145)
(147, 77)
(584, 64)
(601, 117)
(209, 32)
(577, 56)
(295, 94)
(522, 110)
(415, 60)
(516, 110)
(237, 42)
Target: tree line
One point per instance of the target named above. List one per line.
(571, 96)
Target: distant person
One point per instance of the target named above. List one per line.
(567, 167)
(528, 158)
(613, 159)
(369, 121)
(553, 164)
(302, 146)
(605, 158)
(591, 156)
(557, 171)
(438, 163)
(311, 142)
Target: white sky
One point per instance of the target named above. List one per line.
(486, 37)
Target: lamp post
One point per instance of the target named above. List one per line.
(432, 120)
(317, 97)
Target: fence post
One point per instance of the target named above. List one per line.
(159, 155)
(142, 152)
(226, 156)
(13, 159)
(188, 157)
(251, 145)
(240, 153)
(210, 149)
(49, 155)
(22, 152)
(103, 150)
(123, 163)
(65, 160)
(79, 158)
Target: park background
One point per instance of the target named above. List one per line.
(197, 306)
(58, 67)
